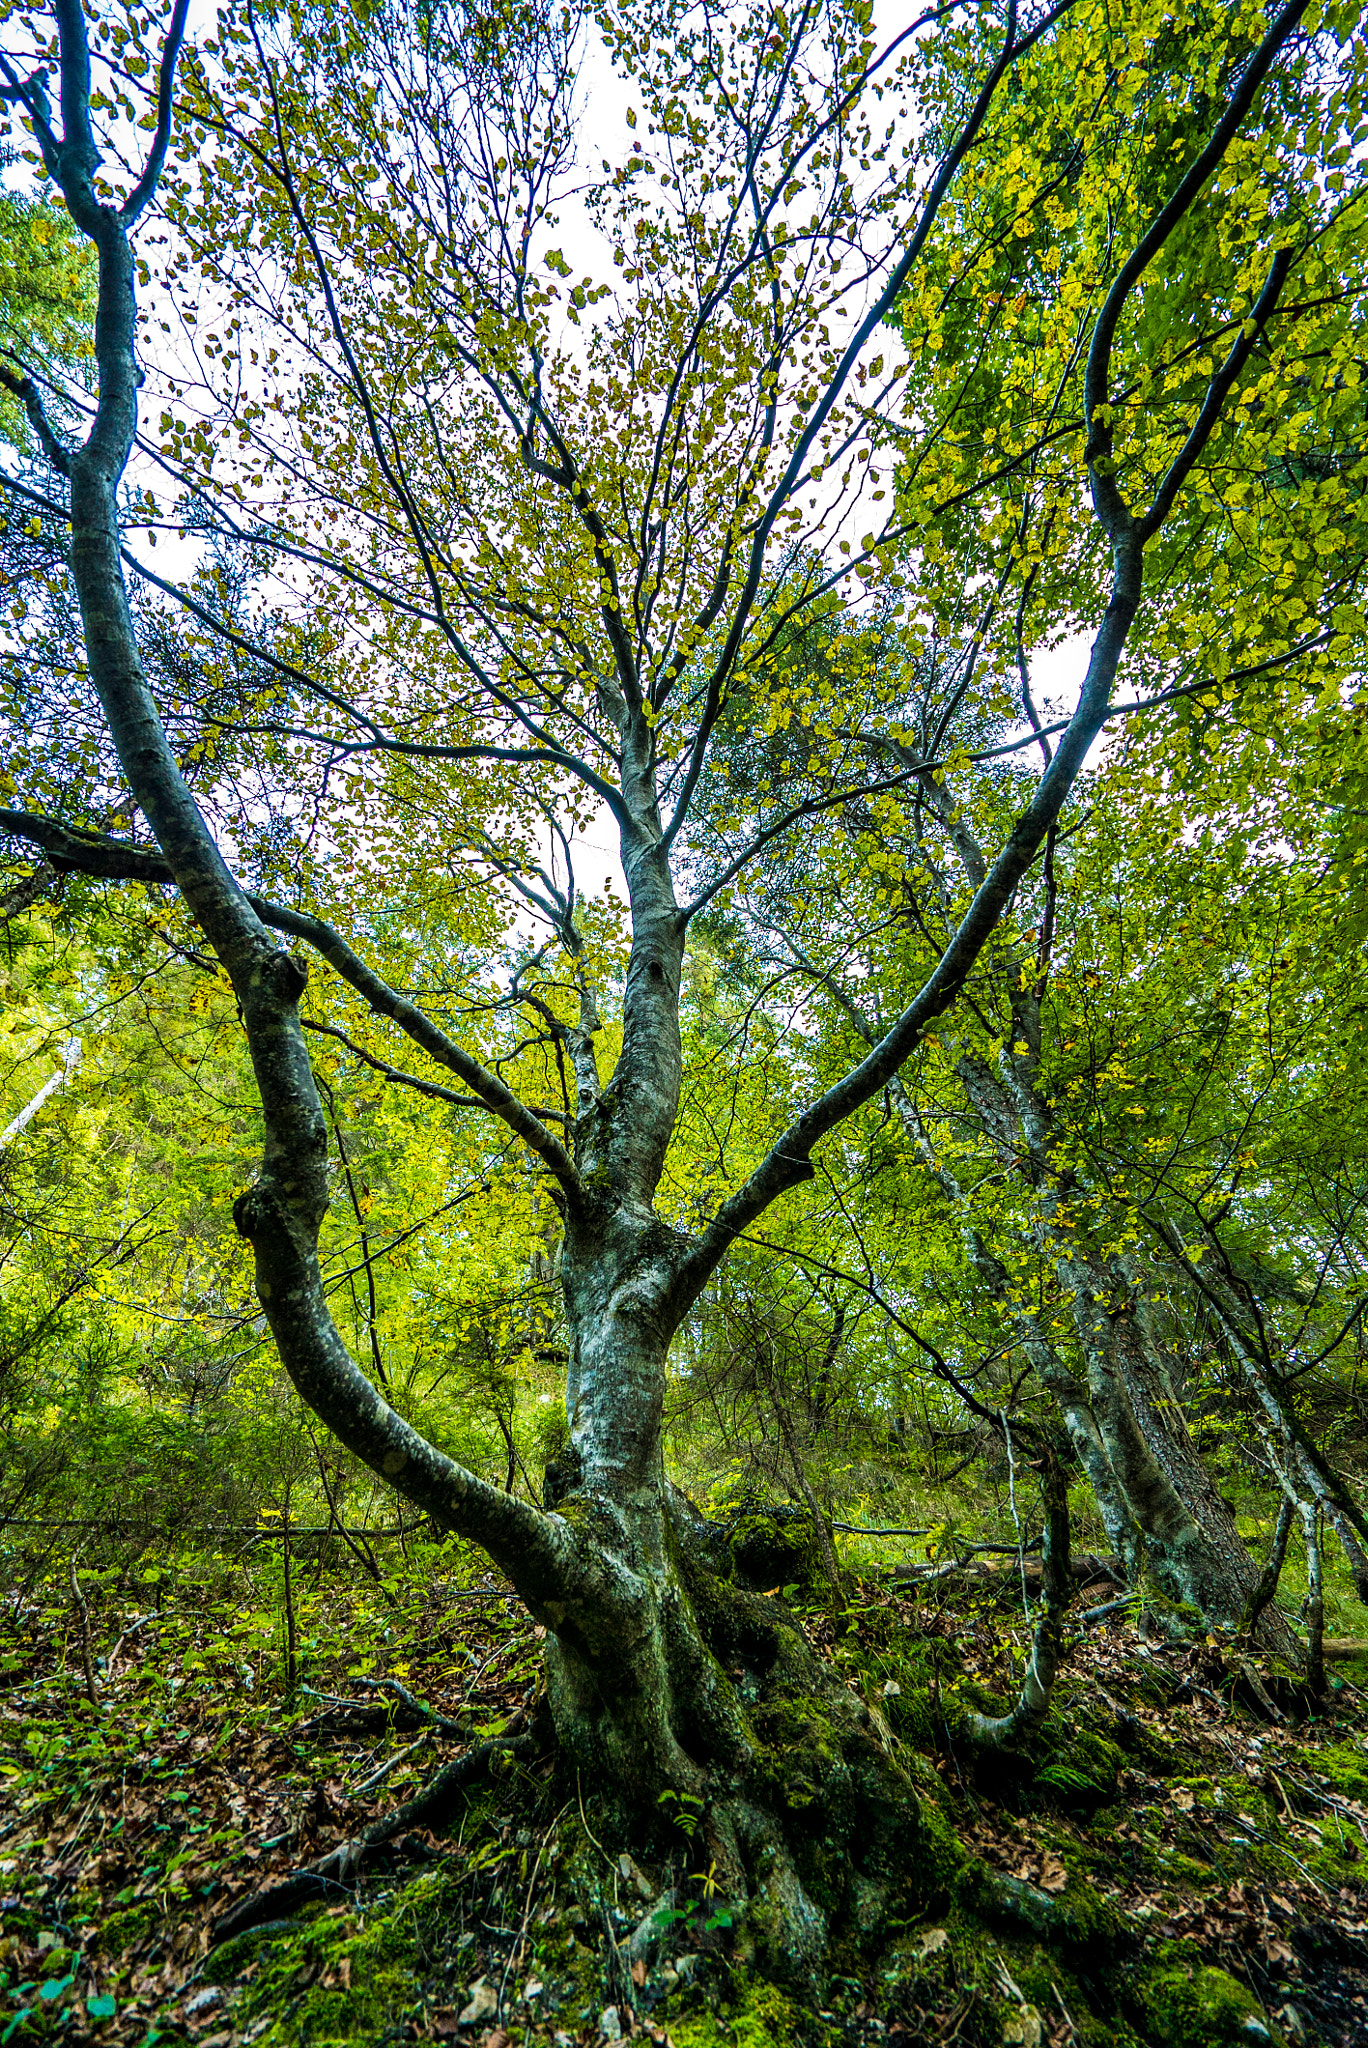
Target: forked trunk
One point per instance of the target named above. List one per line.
(677, 1690)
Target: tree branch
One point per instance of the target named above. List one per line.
(156, 156)
(92, 854)
(1110, 506)
(22, 386)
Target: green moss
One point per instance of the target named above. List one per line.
(802, 1749)
(1187, 1870)
(775, 1547)
(1346, 1767)
(227, 1962)
(338, 1981)
(125, 1929)
(762, 2017)
(1052, 1989)
(1081, 1769)
(941, 1857)
(1191, 2005)
(1079, 1918)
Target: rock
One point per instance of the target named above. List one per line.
(646, 1937)
(1026, 1904)
(634, 1874)
(609, 2025)
(483, 2003)
(203, 2001)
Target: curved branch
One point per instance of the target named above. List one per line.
(90, 853)
(1111, 507)
(156, 156)
(22, 387)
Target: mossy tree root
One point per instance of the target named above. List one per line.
(334, 1872)
(1008, 1731)
(710, 1725)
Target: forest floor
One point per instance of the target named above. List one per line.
(1181, 1863)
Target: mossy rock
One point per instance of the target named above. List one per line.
(1188, 2004)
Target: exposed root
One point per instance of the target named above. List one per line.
(336, 1871)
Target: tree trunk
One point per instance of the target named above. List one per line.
(676, 1689)
(1193, 1544)
(1071, 1398)
(1176, 1531)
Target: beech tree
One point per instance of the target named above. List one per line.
(533, 539)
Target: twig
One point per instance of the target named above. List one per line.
(291, 1633)
(518, 1643)
(517, 1947)
(1068, 2016)
(855, 1529)
(415, 1705)
(1108, 1607)
(83, 1619)
(391, 1765)
(131, 1630)
(579, 1794)
(1273, 1843)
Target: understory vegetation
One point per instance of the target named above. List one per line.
(1181, 1859)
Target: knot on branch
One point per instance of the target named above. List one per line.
(251, 1212)
(799, 1168)
(286, 977)
(272, 1219)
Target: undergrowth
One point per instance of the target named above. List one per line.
(1180, 1861)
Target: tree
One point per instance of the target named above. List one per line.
(561, 617)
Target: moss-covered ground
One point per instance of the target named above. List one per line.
(1183, 1860)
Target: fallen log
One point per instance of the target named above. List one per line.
(1086, 1570)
